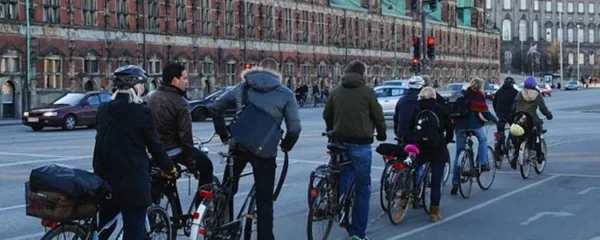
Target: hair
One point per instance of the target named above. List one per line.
(171, 71)
(427, 79)
(427, 93)
(476, 83)
(356, 66)
(269, 63)
(133, 96)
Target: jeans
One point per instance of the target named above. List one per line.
(134, 220)
(264, 180)
(360, 169)
(437, 176)
(460, 145)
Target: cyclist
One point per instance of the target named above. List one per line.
(502, 103)
(265, 91)
(475, 119)
(529, 100)
(352, 111)
(125, 130)
(172, 118)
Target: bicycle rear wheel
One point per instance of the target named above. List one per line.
(486, 179)
(399, 199)
(447, 168)
(539, 167)
(159, 223)
(465, 178)
(66, 231)
(385, 185)
(250, 218)
(524, 163)
(426, 191)
(319, 211)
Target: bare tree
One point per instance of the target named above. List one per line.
(553, 57)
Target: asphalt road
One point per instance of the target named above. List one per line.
(557, 205)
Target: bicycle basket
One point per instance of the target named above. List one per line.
(49, 204)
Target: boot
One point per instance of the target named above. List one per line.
(454, 190)
(435, 215)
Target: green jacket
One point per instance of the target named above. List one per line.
(352, 111)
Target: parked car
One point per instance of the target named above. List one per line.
(68, 111)
(453, 88)
(490, 90)
(572, 85)
(388, 96)
(198, 107)
(403, 83)
(545, 90)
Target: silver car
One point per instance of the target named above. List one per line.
(388, 96)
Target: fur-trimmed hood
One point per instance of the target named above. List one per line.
(261, 79)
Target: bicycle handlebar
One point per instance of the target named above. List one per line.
(284, 170)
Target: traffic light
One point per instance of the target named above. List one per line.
(414, 5)
(430, 48)
(247, 66)
(415, 64)
(417, 48)
(433, 5)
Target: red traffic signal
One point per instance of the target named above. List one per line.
(247, 66)
(430, 41)
(415, 61)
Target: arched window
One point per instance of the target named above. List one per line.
(507, 57)
(506, 30)
(522, 30)
(591, 35)
(536, 30)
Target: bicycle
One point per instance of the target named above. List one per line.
(167, 188)
(505, 150)
(528, 156)
(211, 218)
(469, 168)
(88, 229)
(326, 203)
(409, 185)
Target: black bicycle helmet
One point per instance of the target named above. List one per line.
(509, 80)
(128, 76)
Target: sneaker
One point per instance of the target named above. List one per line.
(485, 168)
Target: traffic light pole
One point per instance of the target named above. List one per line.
(423, 46)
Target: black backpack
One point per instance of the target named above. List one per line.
(427, 128)
(459, 104)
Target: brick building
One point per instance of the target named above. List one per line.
(76, 44)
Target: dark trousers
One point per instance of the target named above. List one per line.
(203, 165)
(134, 220)
(437, 176)
(264, 179)
(500, 128)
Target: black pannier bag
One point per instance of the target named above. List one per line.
(61, 193)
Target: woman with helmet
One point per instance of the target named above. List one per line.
(528, 101)
(125, 129)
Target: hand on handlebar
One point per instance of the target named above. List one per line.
(169, 175)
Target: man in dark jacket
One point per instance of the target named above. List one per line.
(352, 112)
(174, 123)
(266, 92)
(502, 103)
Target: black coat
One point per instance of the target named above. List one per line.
(124, 130)
(438, 154)
(504, 100)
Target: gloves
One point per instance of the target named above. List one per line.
(550, 117)
(169, 175)
(381, 137)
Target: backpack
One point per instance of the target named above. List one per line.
(427, 128)
(255, 130)
(459, 104)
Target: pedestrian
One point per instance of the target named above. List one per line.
(478, 114)
(260, 88)
(124, 130)
(352, 112)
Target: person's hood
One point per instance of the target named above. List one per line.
(507, 86)
(427, 104)
(352, 80)
(120, 105)
(529, 95)
(261, 79)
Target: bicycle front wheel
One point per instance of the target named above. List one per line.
(486, 179)
(465, 170)
(250, 218)
(447, 169)
(539, 167)
(319, 211)
(385, 185)
(66, 231)
(159, 223)
(399, 200)
(426, 191)
(524, 163)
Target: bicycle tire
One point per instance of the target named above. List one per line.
(499, 154)
(66, 228)
(510, 149)
(322, 191)
(447, 171)
(170, 203)
(539, 167)
(161, 213)
(524, 165)
(398, 189)
(465, 161)
(424, 186)
(249, 218)
(482, 186)
(384, 186)
(311, 181)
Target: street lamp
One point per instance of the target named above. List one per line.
(560, 39)
(578, 49)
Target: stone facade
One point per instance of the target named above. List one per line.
(76, 44)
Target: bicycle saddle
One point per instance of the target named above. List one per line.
(468, 133)
(336, 148)
(544, 131)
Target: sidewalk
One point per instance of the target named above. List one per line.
(10, 122)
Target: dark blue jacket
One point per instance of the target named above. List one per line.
(403, 114)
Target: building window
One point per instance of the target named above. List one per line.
(307, 71)
(580, 8)
(51, 11)
(91, 65)
(122, 14)
(570, 7)
(229, 18)
(154, 65)
(536, 5)
(592, 59)
(305, 27)
(153, 15)
(523, 4)
(123, 61)
(289, 69)
(548, 6)
(8, 9)
(205, 11)
(591, 33)
(560, 34)
(591, 7)
(580, 59)
(548, 34)
(522, 30)
(270, 22)
(52, 72)
(321, 28)
(88, 9)
(250, 15)
(289, 27)
(506, 30)
(350, 32)
(559, 7)
(181, 16)
(506, 5)
(488, 4)
(536, 30)
(185, 63)
(208, 67)
(579, 34)
(570, 37)
(230, 72)
(571, 59)
(11, 62)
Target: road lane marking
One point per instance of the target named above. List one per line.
(474, 208)
(44, 161)
(12, 207)
(30, 236)
(30, 155)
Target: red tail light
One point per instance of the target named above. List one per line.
(206, 194)
(399, 166)
(497, 135)
(202, 231)
(196, 215)
(50, 224)
(314, 192)
(388, 157)
(328, 152)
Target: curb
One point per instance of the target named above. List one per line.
(9, 123)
